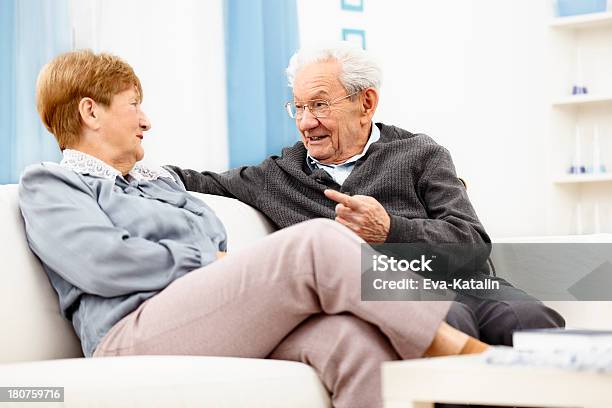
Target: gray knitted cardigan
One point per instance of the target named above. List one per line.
(409, 174)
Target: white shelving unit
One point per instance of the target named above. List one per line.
(584, 178)
(585, 21)
(582, 100)
(580, 203)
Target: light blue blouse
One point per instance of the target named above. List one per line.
(109, 242)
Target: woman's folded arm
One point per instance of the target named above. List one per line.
(72, 235)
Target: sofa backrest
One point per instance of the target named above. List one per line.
(32, 327)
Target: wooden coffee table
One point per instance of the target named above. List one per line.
(469, 380)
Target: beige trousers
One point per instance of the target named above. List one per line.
(294, 295)
(346, 352)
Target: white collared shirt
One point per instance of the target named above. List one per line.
(84, 163)
(340, 172)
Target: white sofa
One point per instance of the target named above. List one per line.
(39, 348)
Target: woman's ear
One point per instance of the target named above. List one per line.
(89, 111)
(369, 102)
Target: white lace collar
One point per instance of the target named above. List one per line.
(83, 163)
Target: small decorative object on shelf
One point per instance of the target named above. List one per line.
(598, 166)
(577, 164)
(579, 88)
(576, 7)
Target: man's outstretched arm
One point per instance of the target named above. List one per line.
(243, 183)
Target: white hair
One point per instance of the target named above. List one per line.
(358, 70)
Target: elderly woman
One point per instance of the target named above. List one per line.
(136, 260)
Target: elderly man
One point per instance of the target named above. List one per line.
(384, 183)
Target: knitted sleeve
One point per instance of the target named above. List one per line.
(243, 183)
(452, 218)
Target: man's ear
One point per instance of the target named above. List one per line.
(90, 113)
(369, 102)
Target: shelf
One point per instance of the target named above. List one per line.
(584, 178)
(580, 100)
(588, 196)
(594, 20)
(602, 237)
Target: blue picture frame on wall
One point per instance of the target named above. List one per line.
(352, 5)
(355, 36)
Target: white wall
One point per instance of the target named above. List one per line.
(473, 75)
(177, 50)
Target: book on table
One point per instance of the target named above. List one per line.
(562, 339)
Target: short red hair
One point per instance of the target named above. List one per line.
(72, 76)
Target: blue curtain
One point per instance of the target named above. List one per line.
(31, 33)
(260, 37)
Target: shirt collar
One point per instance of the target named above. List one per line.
(374, 137)
(84, 163)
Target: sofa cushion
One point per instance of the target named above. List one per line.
(173, 381)
(33, 328)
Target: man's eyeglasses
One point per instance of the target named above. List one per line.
(319, 108)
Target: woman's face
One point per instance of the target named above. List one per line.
(123, 126)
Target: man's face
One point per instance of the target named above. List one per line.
(336, 137)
